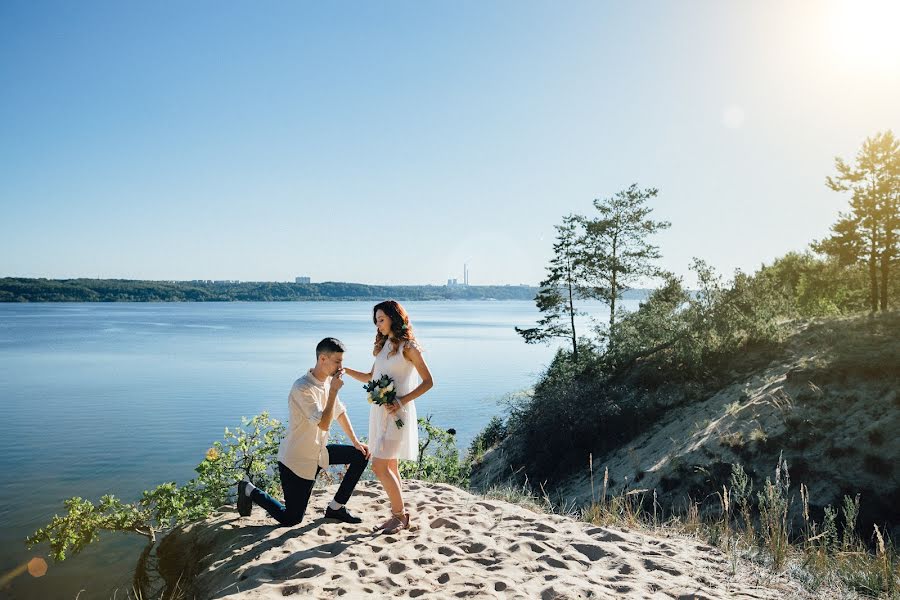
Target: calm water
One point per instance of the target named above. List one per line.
(117, 398)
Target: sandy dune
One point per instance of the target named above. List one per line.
(463, 546)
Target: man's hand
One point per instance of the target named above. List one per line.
(362, 448)
(336, 382)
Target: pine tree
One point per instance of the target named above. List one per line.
(870, 232)
(616, 247)
(556, 298)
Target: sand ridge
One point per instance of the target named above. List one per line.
(461, 546)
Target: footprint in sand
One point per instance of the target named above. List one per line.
(625, 569)
(556, 564)
(366, 493)
(474, 548)
(604, 535)
(396, 567)
(447, 551)
(552, 594)
(538, 536)
(654, 566)
(666, 550)
(340, 591)
(442, 522)
(417, 592)
(593, 553)
(444, 578)
(307, 571)
(536, 548)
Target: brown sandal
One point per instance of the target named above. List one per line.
(397, 522)
(390, 522)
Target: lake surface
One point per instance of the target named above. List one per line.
(118, 398)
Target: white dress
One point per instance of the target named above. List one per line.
(386, 440)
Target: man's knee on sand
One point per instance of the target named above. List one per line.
(292, 519)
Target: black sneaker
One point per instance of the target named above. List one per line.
(341, 514)
(245, 504)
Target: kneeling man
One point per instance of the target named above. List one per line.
(313, 403)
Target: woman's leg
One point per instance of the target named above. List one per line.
(390, 482)
(395, 469)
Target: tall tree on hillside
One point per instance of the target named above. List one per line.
(616, 247)
(870, 232)
(556, 298)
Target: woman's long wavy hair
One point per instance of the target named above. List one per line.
(400, 327)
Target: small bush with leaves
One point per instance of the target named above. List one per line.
(250, 450)
(439, 459)
(492, 434)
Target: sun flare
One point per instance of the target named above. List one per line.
(864, 34)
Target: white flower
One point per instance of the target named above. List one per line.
(369, 397)
(390, 387)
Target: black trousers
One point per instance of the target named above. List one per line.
(298, 490)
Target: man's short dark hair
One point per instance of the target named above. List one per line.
(328, 346)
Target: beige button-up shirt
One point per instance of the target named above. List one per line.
(304, 447)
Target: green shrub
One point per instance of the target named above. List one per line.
(492, 434)
(439, 459)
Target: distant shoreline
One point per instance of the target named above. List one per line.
(27, 290)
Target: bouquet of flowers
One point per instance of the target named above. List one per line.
(381, 391)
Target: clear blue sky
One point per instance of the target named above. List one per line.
(389, 142)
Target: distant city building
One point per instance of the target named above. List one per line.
(226, 281)
(451, 282)
(302, 280)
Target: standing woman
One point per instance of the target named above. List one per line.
(398, 355)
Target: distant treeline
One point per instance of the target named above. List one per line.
(125, 290)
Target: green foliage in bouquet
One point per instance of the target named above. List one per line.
(381, 392)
